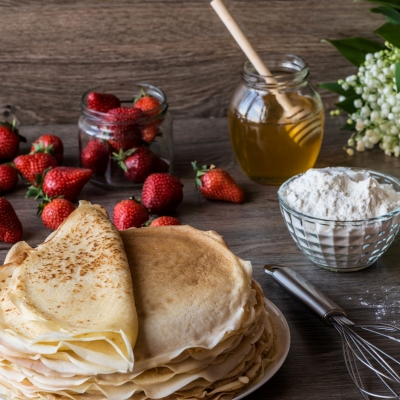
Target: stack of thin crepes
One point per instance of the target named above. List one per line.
(70, 328)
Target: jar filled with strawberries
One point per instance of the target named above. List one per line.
(125, 134)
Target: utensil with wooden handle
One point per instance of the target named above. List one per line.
(306, 128)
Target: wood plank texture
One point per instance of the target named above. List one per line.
(51, 52)
(255, 231)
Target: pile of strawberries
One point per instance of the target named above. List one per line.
(57, 187)
(162, 193)
(54, 185)
(126, 136)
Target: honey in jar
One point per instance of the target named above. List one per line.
(269, 145)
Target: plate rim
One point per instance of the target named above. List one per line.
(283, 333)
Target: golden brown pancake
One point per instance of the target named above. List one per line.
(203, 331)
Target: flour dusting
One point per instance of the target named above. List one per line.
(340, 194)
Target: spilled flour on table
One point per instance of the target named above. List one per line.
(385, 305)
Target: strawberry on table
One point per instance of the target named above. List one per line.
(52, 143)
(65, 181)
(95, 156)
(10, 225)
(165, 220)
(55, 211)
(102, 102)
(60, 181)
(129, 213)
(216, 184)
(162, 193)
(8, 178)
(9, 141)
(30, 165)
(139, 163)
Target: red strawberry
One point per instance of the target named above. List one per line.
(138, 163)
(29, 165)
(129, 213)
(102, 102)
(52, 143)
(55, 211)
(149, 132)
(151, 107)
(126, 144)
(146, 103)
(9, 141)
(162, 193)
(8, 178)
(217, 184)
(121, 125)
(10, 225)
(66, 181)
(164, 221)
(95, 156)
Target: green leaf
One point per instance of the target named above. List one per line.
(194, 165)
(355, 49)
(336, 88)
(397, 76)
(348, 104)
(390, 32)
(391, 15)
(387, 3)
(123, 166)
(348, 127)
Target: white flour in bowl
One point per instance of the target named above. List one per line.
(340, 194)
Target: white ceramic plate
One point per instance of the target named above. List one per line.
(284, 338)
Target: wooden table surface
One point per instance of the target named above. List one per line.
(255, 231)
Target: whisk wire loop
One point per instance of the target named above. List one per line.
(357, 349)
(366, 349)
(352, 368)
(364, 346)
(380, 327)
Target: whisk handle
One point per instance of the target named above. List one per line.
(322, 305)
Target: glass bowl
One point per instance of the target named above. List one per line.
(343, 245)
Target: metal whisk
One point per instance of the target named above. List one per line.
(365, 346)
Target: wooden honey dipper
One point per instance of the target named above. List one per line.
(301, 132)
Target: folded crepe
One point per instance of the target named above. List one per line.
(68, 304)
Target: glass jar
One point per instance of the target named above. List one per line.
(115, 135)
(276, 123)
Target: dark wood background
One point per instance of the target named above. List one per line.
(52, 51)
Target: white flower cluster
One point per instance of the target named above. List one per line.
(377, 119)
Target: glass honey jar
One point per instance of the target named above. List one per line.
(270, 145)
